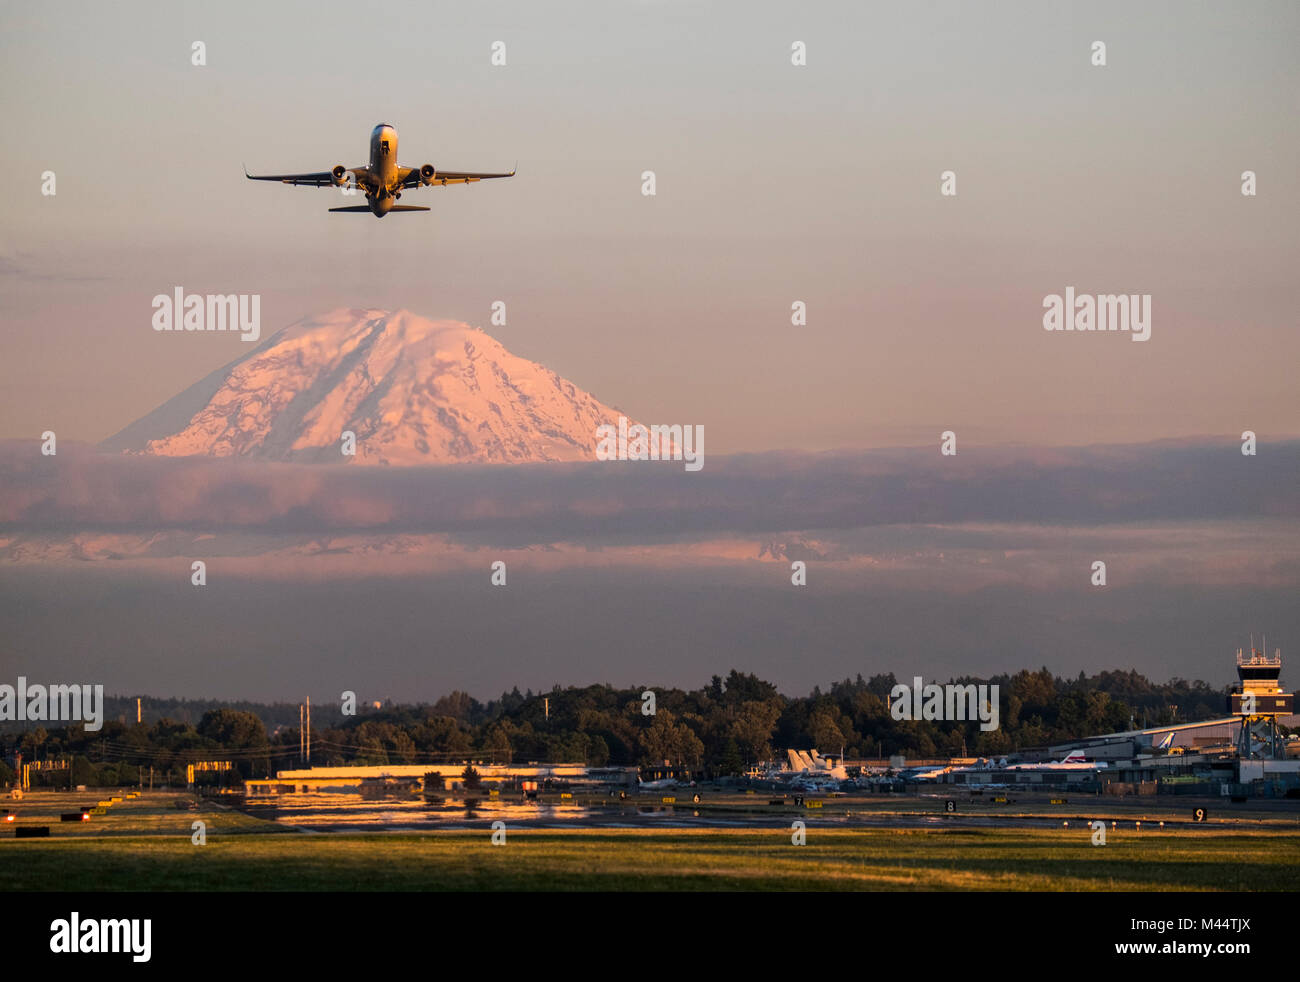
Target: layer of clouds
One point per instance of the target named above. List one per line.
(322, 579)
(621, 502)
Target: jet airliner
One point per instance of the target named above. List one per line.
(384, 180)
(1073, 761)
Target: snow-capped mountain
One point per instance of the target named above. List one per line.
(412, 390)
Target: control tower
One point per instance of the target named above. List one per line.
(1258, 700)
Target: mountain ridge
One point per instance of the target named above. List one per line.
(412, 390)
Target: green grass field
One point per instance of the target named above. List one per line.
(145, 844)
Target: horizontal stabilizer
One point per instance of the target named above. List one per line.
(366, 208)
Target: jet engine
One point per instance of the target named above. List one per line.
(340, 176)
(427, 174)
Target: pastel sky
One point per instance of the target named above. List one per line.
(775, 183)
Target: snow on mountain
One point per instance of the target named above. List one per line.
(414, 391)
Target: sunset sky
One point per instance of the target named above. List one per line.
(775, 184)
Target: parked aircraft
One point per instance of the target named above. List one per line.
(1073, 761)
(667, 782)
(926, 773)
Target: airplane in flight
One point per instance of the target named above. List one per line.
(384, 180)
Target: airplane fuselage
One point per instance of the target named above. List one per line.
(383, 169)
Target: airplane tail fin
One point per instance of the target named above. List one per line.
(1073, 757)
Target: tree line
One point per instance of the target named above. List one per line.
(719, 729)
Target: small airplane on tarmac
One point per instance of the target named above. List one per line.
(667, 782)
(384, 180)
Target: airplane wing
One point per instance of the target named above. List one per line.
(321, 179)
(411, 177)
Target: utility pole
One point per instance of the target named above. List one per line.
(302, 737)
(309, 731)
(137, 709)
